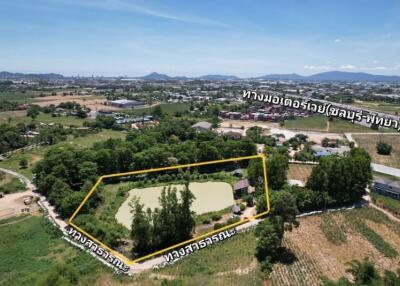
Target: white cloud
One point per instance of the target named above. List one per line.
(318, 67)
(338, 40)
(348, 67)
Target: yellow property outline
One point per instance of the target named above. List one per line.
(131, 262)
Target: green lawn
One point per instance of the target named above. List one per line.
(30, 250)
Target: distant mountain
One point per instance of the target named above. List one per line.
(218, 77)
(45, 76)
(156, 76)
(351, 76)
(325, 76)
(291, 76)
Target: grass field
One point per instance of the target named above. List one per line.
(384, 107)
(30, 251)
(320, 123)
(15, 117)
(368, 142)
(36, 154)
(299, 172)
(313, 123)
(19, 96)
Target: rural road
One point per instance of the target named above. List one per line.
(26, 181)
(385, 169)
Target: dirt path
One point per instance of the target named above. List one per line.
(389, 214)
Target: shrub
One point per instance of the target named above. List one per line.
(216, 217)
(206, 221)
(383, 148)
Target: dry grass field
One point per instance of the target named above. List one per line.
(299, 172)
(93, 102)
(368, 142)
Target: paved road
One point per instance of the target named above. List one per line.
(385, 169)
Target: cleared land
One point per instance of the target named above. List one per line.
(299, 172)
(368, 142)
(92, 102)
(210, 196)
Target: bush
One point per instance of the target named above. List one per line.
(383, 148)
(216, 217)
(206, 221)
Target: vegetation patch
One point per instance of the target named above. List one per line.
(374, 238)
(334, 232)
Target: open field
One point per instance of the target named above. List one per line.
(20, 96)
(384, 107)
(31, 250)
(368, 142)
(210, 196)
(34, 155)
(313, 123)
(15, 117)
(92, 102)
(299, 172)
(321, 124)
(169, 108)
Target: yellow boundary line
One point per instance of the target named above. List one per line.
(130, 262)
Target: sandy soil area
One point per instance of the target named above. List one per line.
(236, 125)
(210, 196)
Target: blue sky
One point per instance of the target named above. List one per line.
(244, 38)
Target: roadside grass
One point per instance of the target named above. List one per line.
(30, 249)
(333, 232)
(169, 108)
(236, 252)
(387, 203)
(368, 142)
(355, 221)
